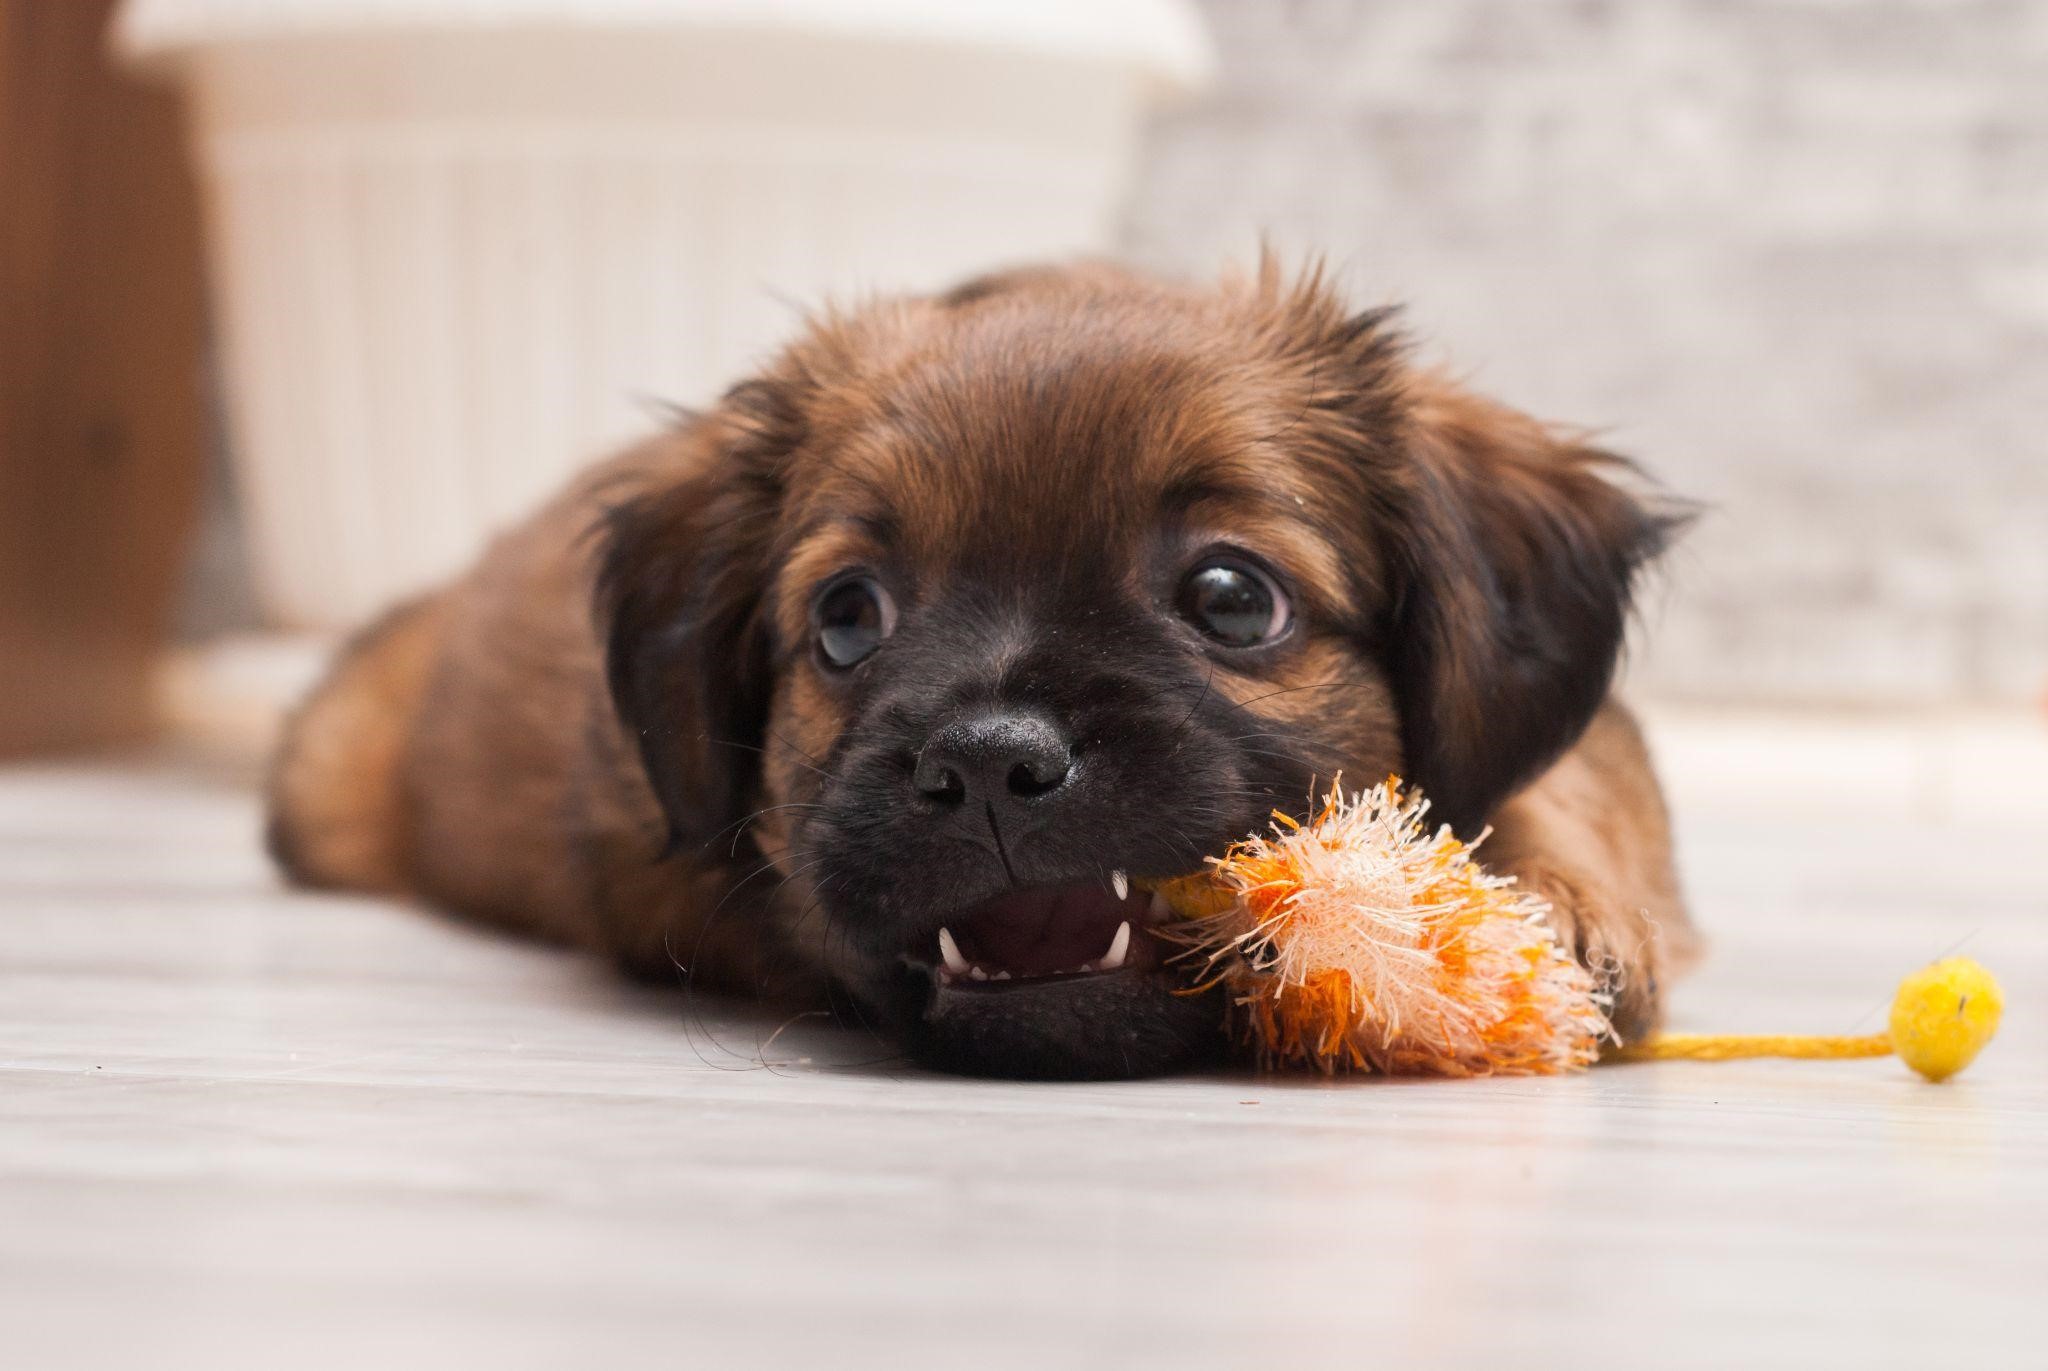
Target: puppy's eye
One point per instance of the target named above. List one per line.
(852, 617)
(1236, 604)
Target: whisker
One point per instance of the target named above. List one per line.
(693, 1014)
(754, 747)
(1283, 737)
(1200, 700)
(796, 924)
(740, 823)
(781, 1028)
(794, 748)
(852, 1000)
(1317, 685)
(1294, 757)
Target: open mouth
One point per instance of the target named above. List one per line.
(1054, 932)
(1060, 982)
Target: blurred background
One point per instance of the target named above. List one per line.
(301, 299)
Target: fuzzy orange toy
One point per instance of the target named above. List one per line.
(1361, 940)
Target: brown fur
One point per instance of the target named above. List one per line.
(1461, 573)
(337, 814)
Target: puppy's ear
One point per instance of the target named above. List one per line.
(681, 568)
(1514, 559)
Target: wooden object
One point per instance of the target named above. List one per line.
(102, 411)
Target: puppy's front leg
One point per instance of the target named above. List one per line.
(1592, 836)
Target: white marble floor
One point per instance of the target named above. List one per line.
(241, 1127)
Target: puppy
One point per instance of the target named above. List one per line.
(890, 680)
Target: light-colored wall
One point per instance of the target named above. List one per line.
(1793, 254)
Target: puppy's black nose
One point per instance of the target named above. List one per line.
(994, 759)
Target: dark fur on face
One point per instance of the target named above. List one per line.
(1029, 468)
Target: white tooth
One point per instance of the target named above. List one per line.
(1000, 976)
(1084, 969)
(1160, 910)
(1120, 882)
(1118, 947)
(949, 953)
(975, 973)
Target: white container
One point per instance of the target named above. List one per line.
(461, 248)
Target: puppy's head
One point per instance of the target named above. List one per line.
(984, 609)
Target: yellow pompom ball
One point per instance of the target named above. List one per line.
(1943, 1015)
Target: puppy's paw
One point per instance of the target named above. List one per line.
(1623, 948)
(1628, 971)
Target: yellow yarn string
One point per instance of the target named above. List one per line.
(1941, 1018)
(1723, 1047)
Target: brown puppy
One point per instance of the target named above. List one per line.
(909, 652)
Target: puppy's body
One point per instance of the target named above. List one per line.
(1023, 475)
